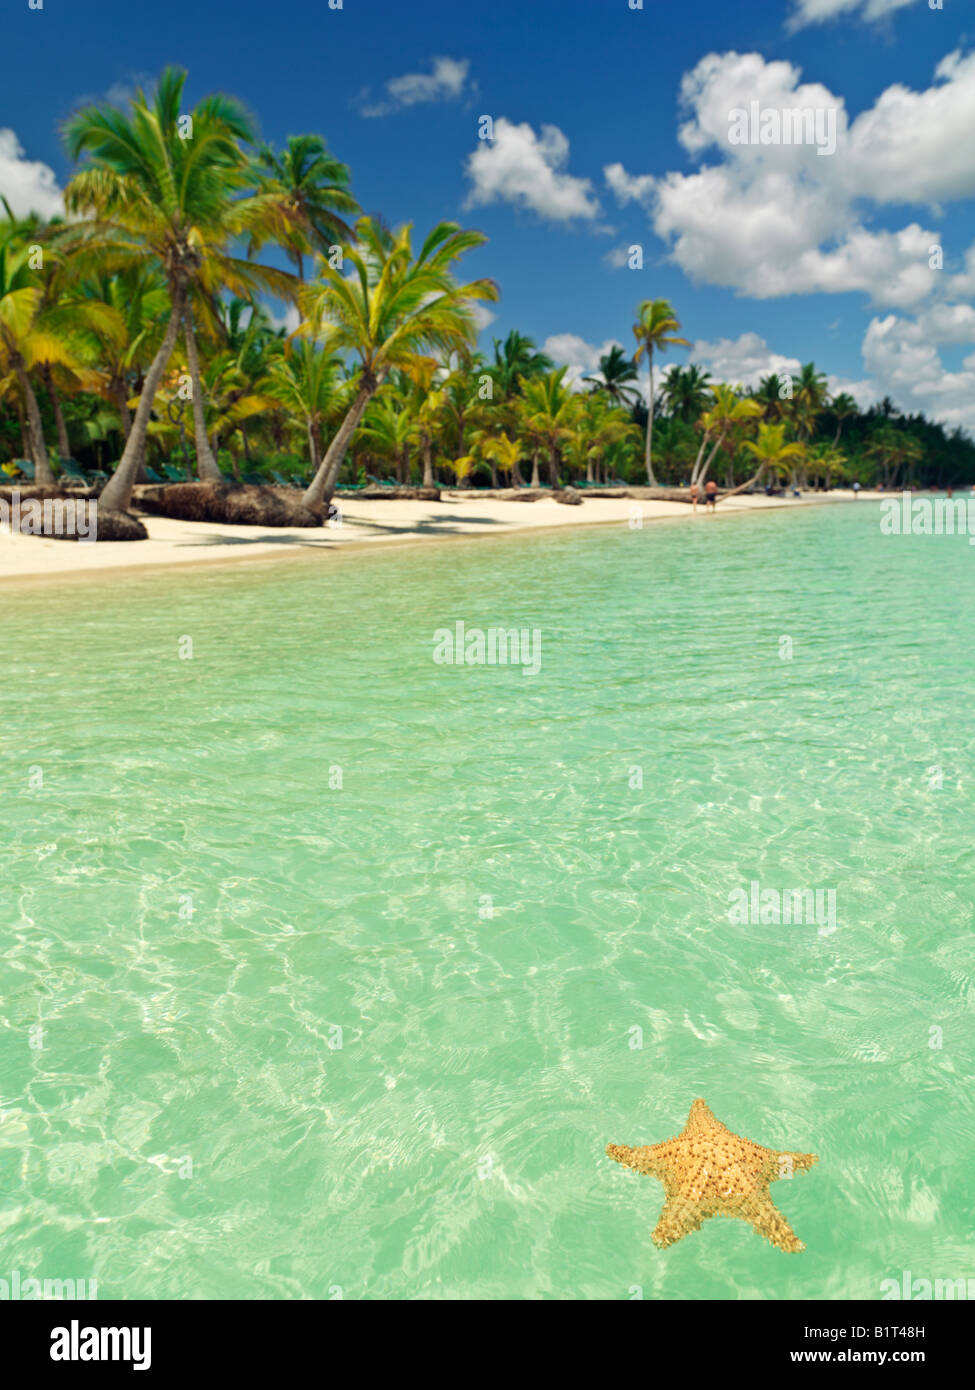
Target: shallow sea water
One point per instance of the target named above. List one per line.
(267, 1036)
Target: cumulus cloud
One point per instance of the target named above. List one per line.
(581, 358)
(627, 188)
(818, 11)
(776, 219)
(528, 170)
(27, 185)
(743, 360)
(482, 315)
(444, 82)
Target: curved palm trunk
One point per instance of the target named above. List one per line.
(314, 452)
(322, 486)
(706, 467)
(25, 444)
(64, 447)
(535, 479)
(207, 466)
(751, 482)
(117, 492)
(42, 467)
(696, 470)
(516, 479)
(427, 463)
(651, 480)
(122, 401)
(553, 468)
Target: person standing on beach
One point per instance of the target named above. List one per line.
(710, 494)
(695, 494)
(856, 492)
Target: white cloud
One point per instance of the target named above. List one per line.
(483, 316)
(627, 188)
(618, 257)
(444, 82)
(818, 11)
(289, 320)
(782, 219)
(581, 358)
(27, 185)
(743, 360)
(903, 360)
(528, 170)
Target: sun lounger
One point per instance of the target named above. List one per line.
(173, 474)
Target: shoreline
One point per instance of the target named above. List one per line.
(367, 524)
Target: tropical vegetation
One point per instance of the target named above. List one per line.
(212, 308)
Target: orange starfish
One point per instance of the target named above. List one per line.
(707, 1170)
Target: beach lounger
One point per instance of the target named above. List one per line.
(173, 474)
(26, 468)
(153, 476)
(73, 469)
(280, 480)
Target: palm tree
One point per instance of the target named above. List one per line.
(830, 459)
(505, 453)
(390, 309)
(616, 371)
(137, 300)
(655, 329)
(303, 380)
(388, 428)
(517, 357)
(152, 193)
(727, 413)
(687, 391)
(771, 452)
(770, 398)
(550, 407)
(842, 407)
(28, 338)
(308, 190)
(809, 398)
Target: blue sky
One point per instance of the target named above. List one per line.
(770, 255)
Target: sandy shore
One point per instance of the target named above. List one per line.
(362, 522)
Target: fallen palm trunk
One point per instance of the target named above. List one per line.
(234, 506)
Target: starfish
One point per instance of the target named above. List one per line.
(707, 1170)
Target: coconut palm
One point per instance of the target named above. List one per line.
(388, 429)
(771, 452)
(842, 406)
(728, 412)
(829, 459)
(392, 307)
(138, 300)
(687, 391)
(655, 330)
(303, 380)
(504, 453)
(29, 336)
(517, 357)
(616, 372)
(162, 185)
(770, 398)
(307, 189)
(551, 409)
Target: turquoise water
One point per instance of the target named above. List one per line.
(265, 1036)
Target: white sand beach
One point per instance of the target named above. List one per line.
(363, 522)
